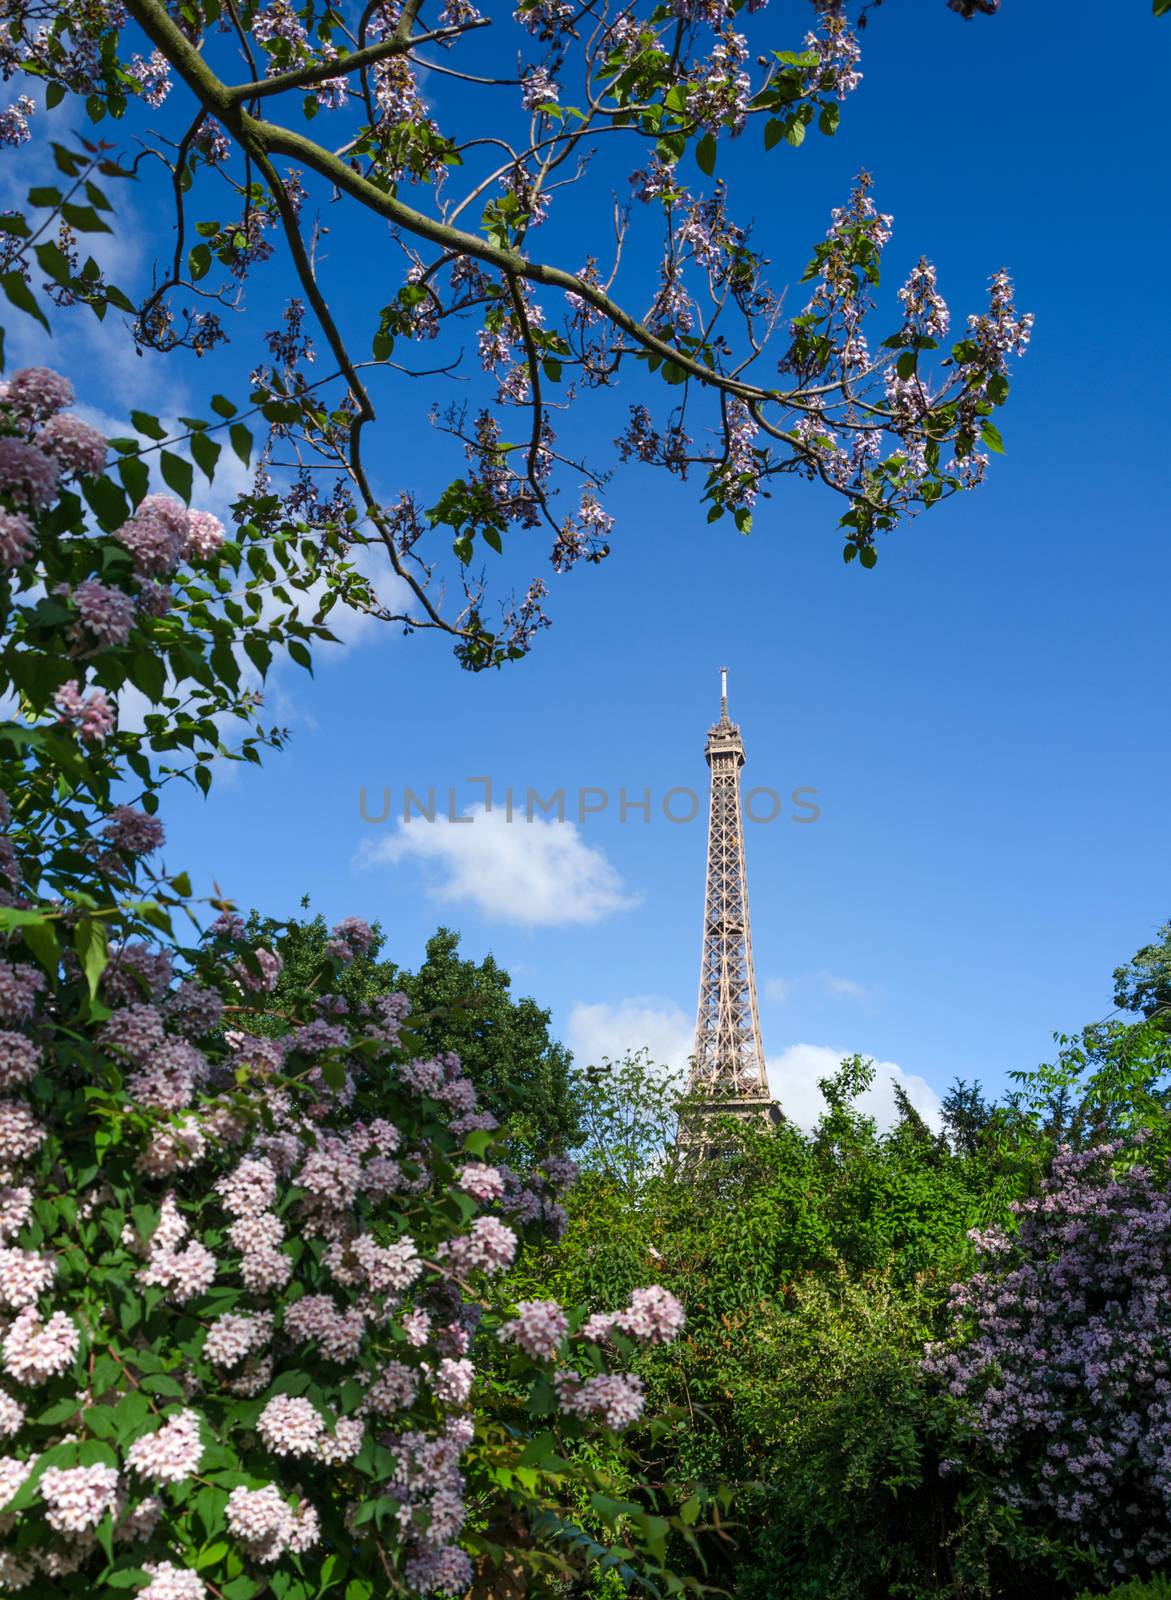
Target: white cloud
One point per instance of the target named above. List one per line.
(642, 1023)
(540, 874)
(667, 1032)
(782, 989)
(844, 986)
(793, 1078)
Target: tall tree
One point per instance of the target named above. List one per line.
(1144, 983)
(260, 121)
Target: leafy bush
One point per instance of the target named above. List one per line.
(242, 1259)
(1134, 1589)
(1062, 1357)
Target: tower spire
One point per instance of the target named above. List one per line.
(728, 1066)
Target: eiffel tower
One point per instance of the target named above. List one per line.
(728, 1074)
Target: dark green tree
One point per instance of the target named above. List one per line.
(521, 1073)
(1144, 983)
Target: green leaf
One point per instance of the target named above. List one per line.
(163, 1383)
(41, 938)
(259, 652)
(990, 433)
(54, 262)
(705, 154)
(22, 297)
(795, 133)
(222, 406)
(1162, 7)
(300, 654)
(177, 474)
(241, 441)
(134, 475)
(143, 422)
(44, 197)
(868, 555)
(54, 95)
(91, 942)
(85, 219)
(206, 451)
(774, 132)
(849, 553)
(199, 261)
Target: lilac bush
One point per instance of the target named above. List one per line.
(244, 1276)
(1061, 1356)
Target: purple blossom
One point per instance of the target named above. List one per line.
(37, 393)
(133, 831)
(153, 76)
(156, 535)
(107, 614)
(1059, 1354)
(538, 1328)
(27, 474)
(16, 540)
(155, 599)
(546, 19)
(92, 714)
(538, 88)
(924, 309)
(14, 129)
(205, 534)
(78, 448)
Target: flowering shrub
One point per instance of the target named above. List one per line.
(242, 1272)
(1062, 1357)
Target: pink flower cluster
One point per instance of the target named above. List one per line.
(77, 1498)
(169, 1582)
(34, 1351)
(266, 1525)
(92, 715)
(171, 1453)
(183, 1273)
(133, 831)
(538, 1328)
(349, 938)
(614, 1399)
(291, 1426)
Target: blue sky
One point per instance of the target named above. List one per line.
(983, 716)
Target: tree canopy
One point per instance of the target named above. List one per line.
(565, 192)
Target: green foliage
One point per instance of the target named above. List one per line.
(1144, 983)
(815, 1269)
(1156, 1588)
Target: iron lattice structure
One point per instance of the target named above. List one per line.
(728, 1067)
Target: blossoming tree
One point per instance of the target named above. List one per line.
(600, 127)
(242, 1271)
